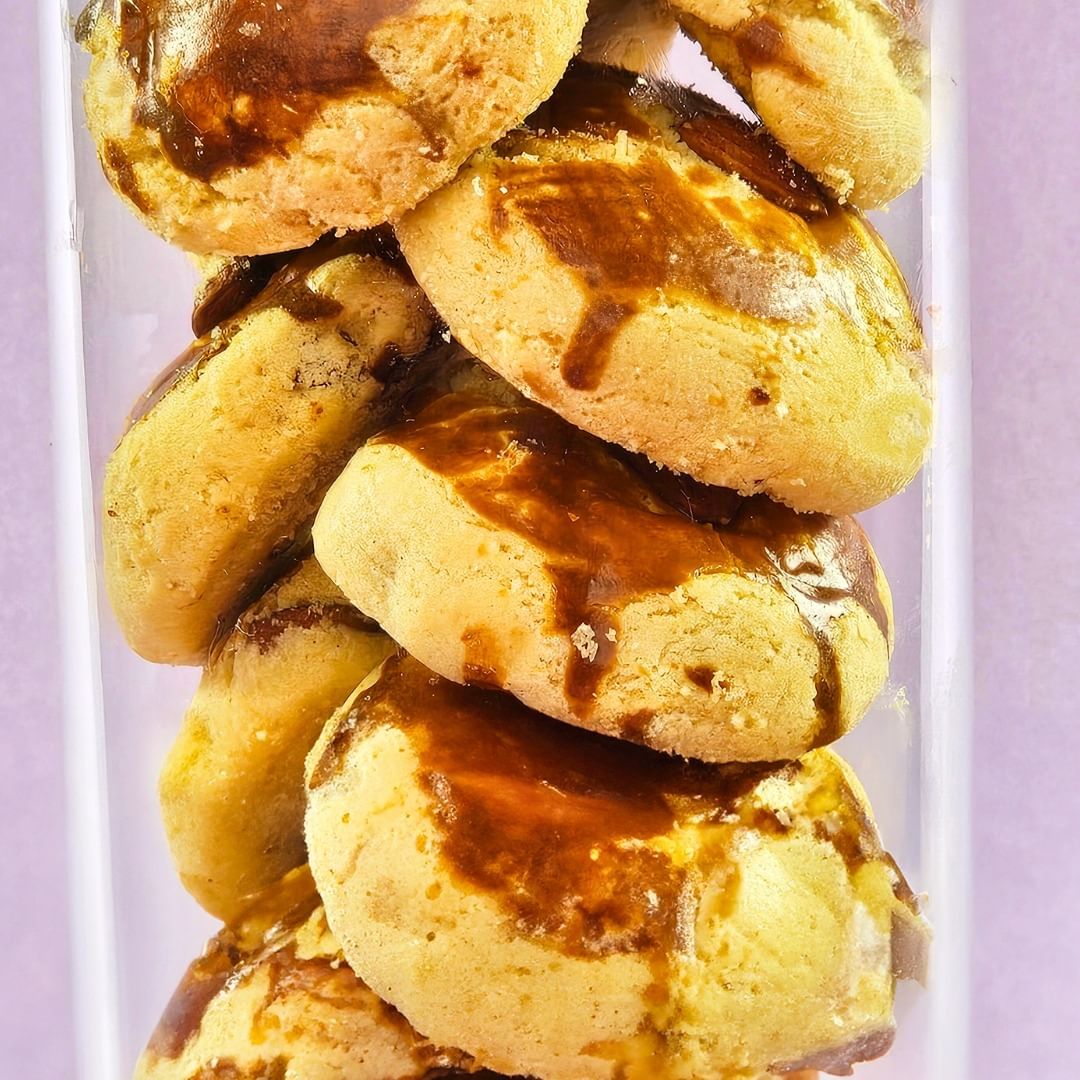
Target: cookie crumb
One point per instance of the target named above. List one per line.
(584, 640)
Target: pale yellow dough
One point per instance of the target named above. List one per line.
(475, 68)
(840, 83)
(463, 592)
(792, 924)
(803, 378)
(274, 999)
(227, 469)
(232, 792)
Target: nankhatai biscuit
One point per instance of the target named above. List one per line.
(569, 906)
(840, 83)
(273, 998)
(232, 787)
(245, 127)
(227, 462)
(502, 546)
(662, 275)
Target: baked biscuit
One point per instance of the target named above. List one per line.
(273, 998)
(226, 465)
(606, 267)
(502, 546)
(840, 83)
(573, 907)
(232, 790)
(247, 127)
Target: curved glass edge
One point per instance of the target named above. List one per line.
(948, 687)
(93, 955)
(947, 591)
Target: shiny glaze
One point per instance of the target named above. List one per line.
(663, 232)
(600, 101)
(235, 297)
(612, 533)
(228, 82)
(551, 820)
(240, 280)
(264, 630)
(118, 165)
(263, 941)
(563, 827)
(271, 917)
(659, 233)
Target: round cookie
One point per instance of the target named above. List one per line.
(671, 281)
(227, 461)
(840, 83)
(247, 127)
(504, 547)
(574, 907)
(232, 790)
(274, 998)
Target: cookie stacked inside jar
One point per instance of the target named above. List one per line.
(504, 498)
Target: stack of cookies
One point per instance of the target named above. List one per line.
(503, 497)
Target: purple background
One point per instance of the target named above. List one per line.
(1024, 73)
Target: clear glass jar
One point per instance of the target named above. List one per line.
(120, 305)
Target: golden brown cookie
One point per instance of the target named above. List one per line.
(573, 907)
(232, 791)
(244, 126)
(502, 546)
(840, 83)
(274, 999)
(227, 463)
(671, 281)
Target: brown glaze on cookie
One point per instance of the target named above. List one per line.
(602, 101)
(119, 165)
(562, 827)
(228, 82)
(271, 916)
(245, 287)
(612, 537)
(240, 280)
(761, 43)
(659, 233)
(263, 943)
(551, 820)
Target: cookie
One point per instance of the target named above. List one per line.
(247, 127)
(569, 906)
(840, 83)
(227, 459)
(232, 791)
(662, 275)
(273, 997)
(502, 546)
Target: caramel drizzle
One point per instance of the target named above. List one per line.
(226, 83)
(661, 233)
(611, 536)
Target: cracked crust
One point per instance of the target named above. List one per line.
(662, 303)
(785, 901)
(720, 664)
(469, 69)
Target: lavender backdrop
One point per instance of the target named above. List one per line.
(1024, 87)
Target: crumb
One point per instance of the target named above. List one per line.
(584, 640)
